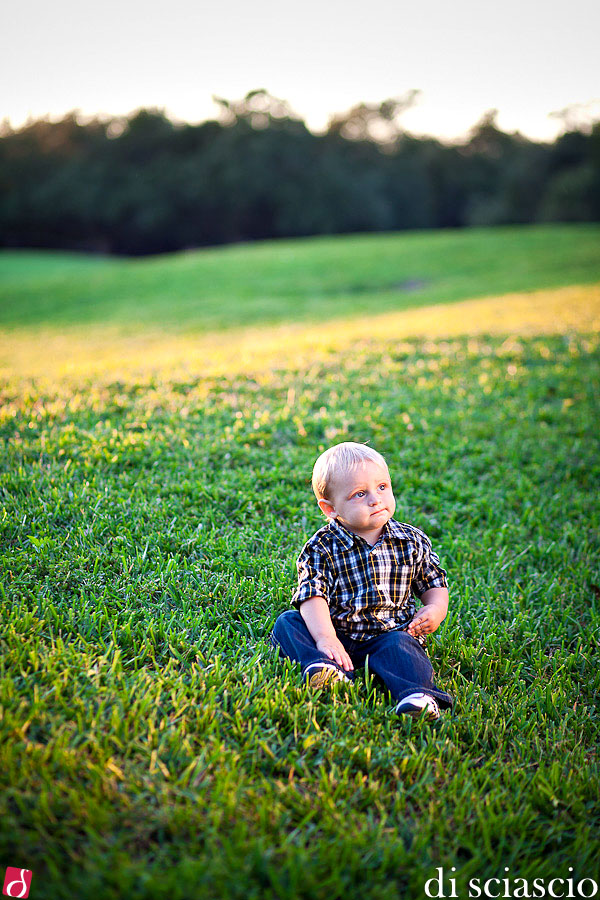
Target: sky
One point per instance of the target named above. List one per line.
(526, 59)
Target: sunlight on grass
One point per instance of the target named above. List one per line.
(107, 350)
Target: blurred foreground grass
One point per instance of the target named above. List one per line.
(153, 503)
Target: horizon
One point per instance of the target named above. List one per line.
(575, 117)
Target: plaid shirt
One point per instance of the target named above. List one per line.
(369, 589)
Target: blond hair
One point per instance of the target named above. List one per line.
(339, 459)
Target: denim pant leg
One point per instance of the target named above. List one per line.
(293, 639)
(403, 666)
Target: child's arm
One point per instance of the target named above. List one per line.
(315, 613)
(431, 614)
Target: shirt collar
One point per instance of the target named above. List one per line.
(395, 529)
(347, 538)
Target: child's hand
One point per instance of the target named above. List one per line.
(432, 613)
(425, 621)
(335, 650)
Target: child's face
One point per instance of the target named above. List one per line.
(362, 500)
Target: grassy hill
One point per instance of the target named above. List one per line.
(155, 494)
(288, 281)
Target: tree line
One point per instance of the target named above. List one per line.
(146, 184)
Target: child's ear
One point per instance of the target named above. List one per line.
(327, 508)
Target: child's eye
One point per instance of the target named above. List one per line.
(359, 494)
(382, 487)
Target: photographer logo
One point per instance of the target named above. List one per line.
(17, 882)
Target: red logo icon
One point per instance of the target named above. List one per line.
(17, 882)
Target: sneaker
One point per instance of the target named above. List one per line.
(317, 675)
(419, 704)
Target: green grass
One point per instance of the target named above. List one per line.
(293, 280)
(152, 747)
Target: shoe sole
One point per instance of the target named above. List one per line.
(428, 714)
(323, 677)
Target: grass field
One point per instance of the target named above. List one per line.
(292, 281)
(155, 485)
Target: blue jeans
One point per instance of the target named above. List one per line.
(395, 656)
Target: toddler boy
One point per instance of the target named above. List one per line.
(356, 580)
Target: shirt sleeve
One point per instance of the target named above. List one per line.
(428, 571)
(313, 577)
